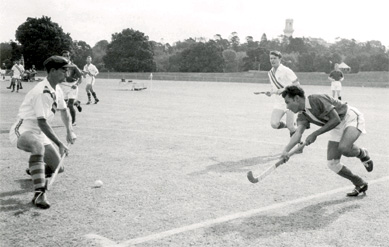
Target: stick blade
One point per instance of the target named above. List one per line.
(251, 177)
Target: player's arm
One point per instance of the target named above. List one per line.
(295, 139)
(333, 121)
(66, 119)
(49, 132)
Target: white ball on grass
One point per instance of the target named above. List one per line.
(98, 183)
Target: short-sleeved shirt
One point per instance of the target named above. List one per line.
(317, 108)
(17, 71)
(282, 77)
(337, 75)
(42, 102)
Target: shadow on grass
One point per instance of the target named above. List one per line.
(313, 217)
(10, 204)
(237, 166)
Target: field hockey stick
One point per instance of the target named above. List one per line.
(52, 179)
(260, 92)
(271, 168)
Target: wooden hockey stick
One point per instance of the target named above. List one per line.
(271, 168)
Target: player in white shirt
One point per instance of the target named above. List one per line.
(17, 72)
(90, 72)
(281, 76)
(33, 133)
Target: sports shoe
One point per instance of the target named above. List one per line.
(358, 189)
(88, 103)
(74, 124)
(366, 161)
(40, 199)
(8, 87)
(79, 108)
(96, 101)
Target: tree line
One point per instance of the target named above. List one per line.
(132, 51)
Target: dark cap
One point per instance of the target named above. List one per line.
(276, 53)
(56, 62)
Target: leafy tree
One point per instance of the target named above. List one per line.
(235, 41)
(230, 60)
(306, 62)
(354, 63)
(80, 52)
(99, 51)
(130, 51)
(6, 54)
(223, 44)
(41, 38)
(202, 57)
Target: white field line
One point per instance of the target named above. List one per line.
(208, 223)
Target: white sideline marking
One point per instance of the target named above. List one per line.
(107, 242)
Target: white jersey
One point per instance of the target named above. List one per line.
(41, 103)
(280, 79)
(17, 71)
(90, 79)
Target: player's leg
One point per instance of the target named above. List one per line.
(32, 143)
(52, 158)
(291, 122)
(93, 92)
(339, 96)
(72, 110)
(333, 161)
(88, 93)
(276, 117)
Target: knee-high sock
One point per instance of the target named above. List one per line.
(72, 112)
(347, 173)
(94, 95)
(37, 169)
(89, 96)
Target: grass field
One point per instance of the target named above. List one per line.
(174, 158)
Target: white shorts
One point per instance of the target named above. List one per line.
(353, 118)
(16, 77)
(22, 126)
(68, 91)
(2, 71)
(279, 102)
(90, 80)
(336, 86)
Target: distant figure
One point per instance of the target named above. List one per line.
(281, 76)
(17, 71)
(90, 72)
(3, 70)
(336, 77)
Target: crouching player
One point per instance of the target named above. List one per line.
(345, 124)
(33, 133)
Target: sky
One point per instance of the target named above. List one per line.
(169, 21)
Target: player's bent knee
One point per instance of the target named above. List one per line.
(334, 165)
(344, 149)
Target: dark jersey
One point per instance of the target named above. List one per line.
(337, 75)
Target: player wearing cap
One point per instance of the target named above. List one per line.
(90, 72)
(343, 122)
(32, 131)
(280, 76)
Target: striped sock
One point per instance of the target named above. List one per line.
(346, 173)
(37, 169)
(282, 125)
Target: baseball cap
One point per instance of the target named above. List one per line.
(276, 53)
(56, 62)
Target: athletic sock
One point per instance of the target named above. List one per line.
(89, 96)
(282, 125)
(94, 95)
(362, 154)
(37, 170)
(346, 173)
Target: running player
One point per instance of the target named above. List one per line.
(70, 87)
(343, 122)
(336, 77)
(90, 72)
(280, 76)
(33, 133)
